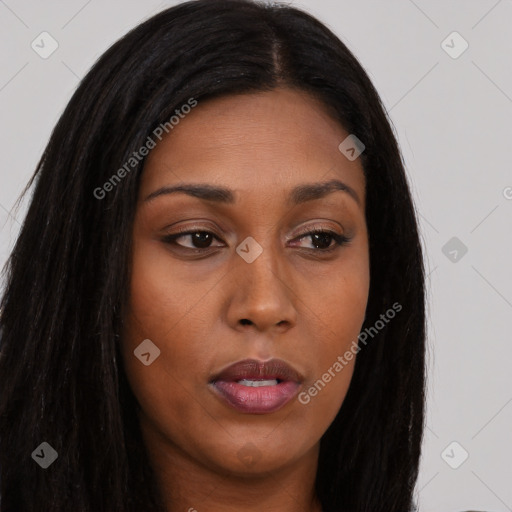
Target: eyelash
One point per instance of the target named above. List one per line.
(340, 240)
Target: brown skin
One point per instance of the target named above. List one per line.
(303, 307)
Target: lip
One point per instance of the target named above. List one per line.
(262, 399)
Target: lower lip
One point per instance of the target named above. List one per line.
(256, 400)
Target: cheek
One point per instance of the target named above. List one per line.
(156, 298)
(171, 307)
(164, 402)
(156, 310)
(164, 299)
(340, 322)
(153, 310)
(339, 313)
(162, 388)
(338, 300)
(165, 308)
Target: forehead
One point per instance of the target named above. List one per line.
(253, 141)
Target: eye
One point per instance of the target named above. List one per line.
(322, 239)
(200, 239)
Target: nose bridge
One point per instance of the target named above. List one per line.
(262, 272)
(263, 295)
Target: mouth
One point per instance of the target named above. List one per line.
(257, 387)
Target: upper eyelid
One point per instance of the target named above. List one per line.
(316, 225)
(304, 232)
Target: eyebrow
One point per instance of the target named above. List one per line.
(298, 195)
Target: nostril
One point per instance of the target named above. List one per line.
(244, 321)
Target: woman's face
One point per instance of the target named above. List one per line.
(249, 283)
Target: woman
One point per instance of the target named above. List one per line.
(226, 286)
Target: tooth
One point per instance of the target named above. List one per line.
(257, 383)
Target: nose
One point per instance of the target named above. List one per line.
(263, 296)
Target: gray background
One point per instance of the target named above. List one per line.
(452, 118)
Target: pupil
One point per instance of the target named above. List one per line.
(202, 240)
(323, 238)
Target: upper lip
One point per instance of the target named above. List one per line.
(253, 369)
